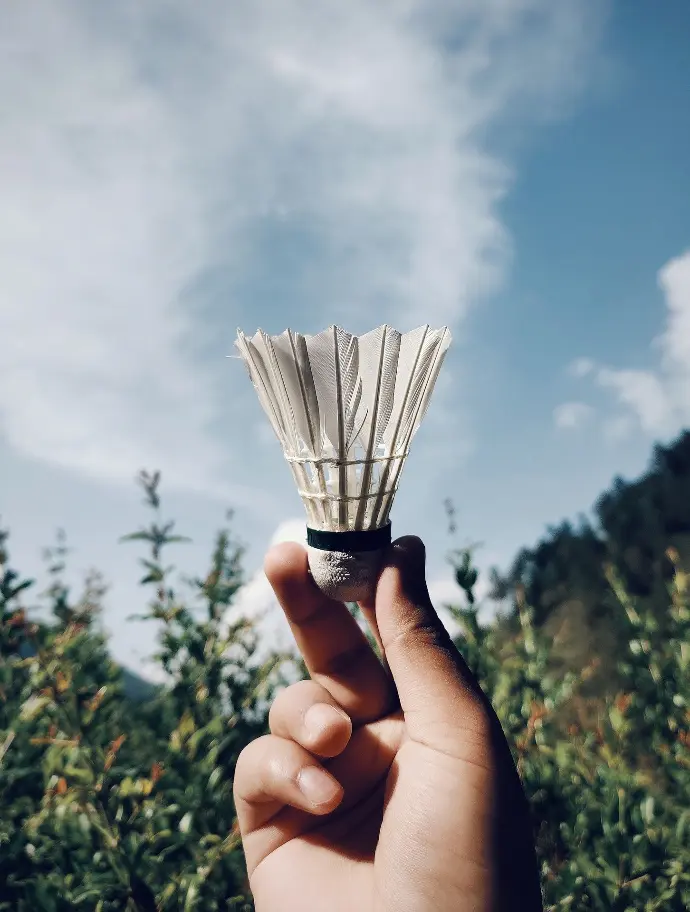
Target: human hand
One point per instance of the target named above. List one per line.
(382, 787)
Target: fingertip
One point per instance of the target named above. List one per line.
(405, 569)
(404, 562)
(287, 569)
(409, 548)
(286, 563)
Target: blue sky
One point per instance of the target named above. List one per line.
(518, 169)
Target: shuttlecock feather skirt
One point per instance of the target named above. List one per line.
(345, 409)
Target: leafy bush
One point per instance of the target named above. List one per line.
(111, 804)
(609, 792)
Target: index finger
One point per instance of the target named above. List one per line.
(334, 648)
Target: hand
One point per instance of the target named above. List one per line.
(383, 787)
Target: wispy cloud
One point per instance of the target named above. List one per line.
(256, 599)
(656, 401)
(572, 415)
(581, 367)
(169, 170)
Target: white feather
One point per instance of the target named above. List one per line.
(345, 409)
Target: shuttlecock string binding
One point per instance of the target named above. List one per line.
(345, 409)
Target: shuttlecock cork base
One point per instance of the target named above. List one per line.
(346, 565)
(345, 409)
(346, 577)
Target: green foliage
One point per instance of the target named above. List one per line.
(109, 803)
(564, 576)
(608, 793)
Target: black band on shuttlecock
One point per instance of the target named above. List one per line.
(368, 540)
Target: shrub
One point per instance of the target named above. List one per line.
(609, 793)
(107, 803)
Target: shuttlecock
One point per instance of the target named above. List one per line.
(345, 409)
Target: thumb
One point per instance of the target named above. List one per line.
(445, 710)
(438, 693)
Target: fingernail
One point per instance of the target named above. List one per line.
(317, 786)
(320, 717)
(409, 556)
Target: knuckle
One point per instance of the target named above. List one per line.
(277, 711)
(306, 691)
(251, 756)
(341, 663)
(263, 765)
(293, 701)
(420, 631)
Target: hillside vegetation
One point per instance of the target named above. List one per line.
(112, 802)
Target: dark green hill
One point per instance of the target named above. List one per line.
(638, 529)
(136, 688)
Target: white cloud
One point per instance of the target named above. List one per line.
(644, 393)
(581, 367)
(618, 428)
(572, 415)
(257, 600)
(444, 591)
(143, 146)
(657, 401)
(100, 229)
